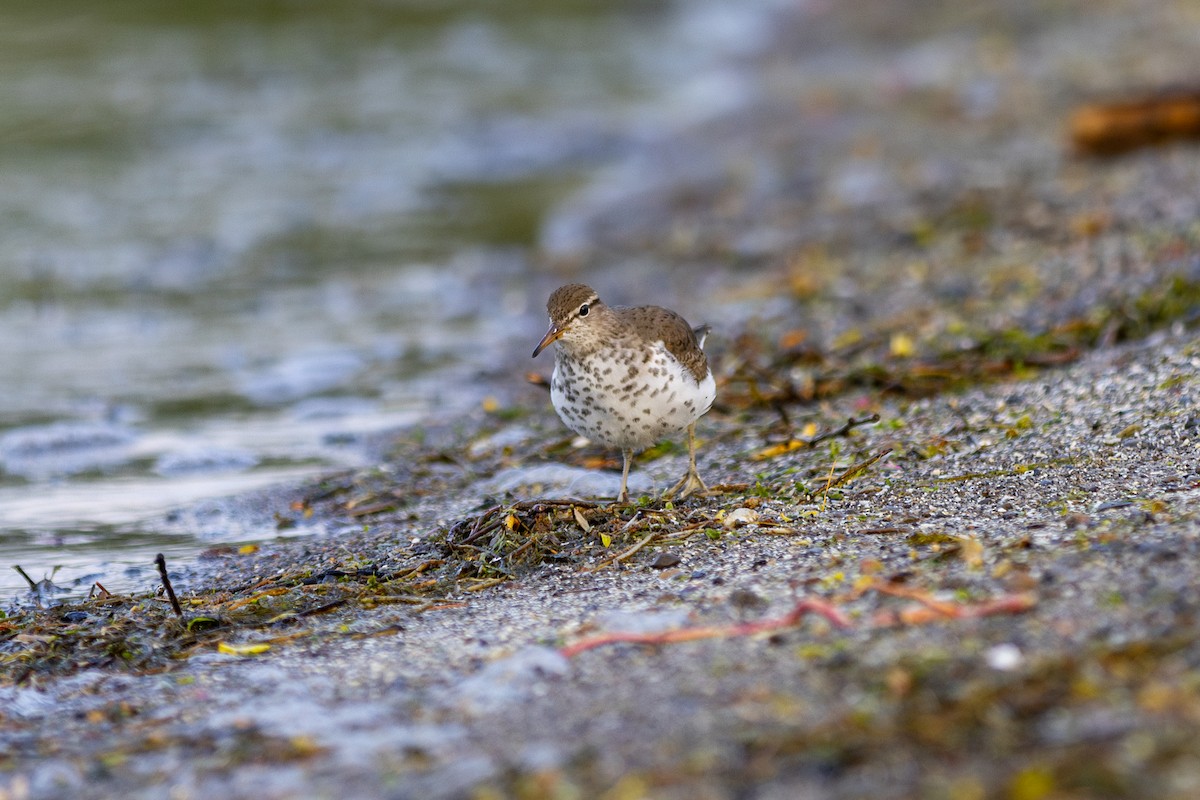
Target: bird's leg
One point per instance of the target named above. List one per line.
(627, 455)
(691, 482)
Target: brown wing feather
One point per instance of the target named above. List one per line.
(653, 323)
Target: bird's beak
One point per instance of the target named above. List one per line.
(550, 337)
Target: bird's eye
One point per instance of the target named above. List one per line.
(583, 310)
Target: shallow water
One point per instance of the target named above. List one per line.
(240, 239)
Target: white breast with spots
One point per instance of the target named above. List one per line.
(630, 399)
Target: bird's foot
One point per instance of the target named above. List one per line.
(690, 484)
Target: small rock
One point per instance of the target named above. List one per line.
(744, 598)
(1005, 657)
(664, 560)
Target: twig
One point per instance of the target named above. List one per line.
(628, 525)
(418, 569)
(479, 530)
(374, 508)
(439, 607)
(162, 571)
(828, 483)
(843, 429)
(254, 598)
(777, 530)
(258, 584)
(32, 584)
(485, 584)
(793, 443)
(323, 609)
(395, 599)
(624, 555)
(852, 472)
(512, 556)
(641, 543)
(691, 530)
(810, 605)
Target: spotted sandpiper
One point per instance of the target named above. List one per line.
(628, 377)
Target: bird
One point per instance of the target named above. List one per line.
(628, 377)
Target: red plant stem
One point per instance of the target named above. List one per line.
(810, 605)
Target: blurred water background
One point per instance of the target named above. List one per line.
(238, 238)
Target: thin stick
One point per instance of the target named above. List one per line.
(852, 472)
(162, 571)
(485, 584)
(809, 605)
(624, 555)
(828, 483)
(29, 580)
(849, 425)
(645, 541)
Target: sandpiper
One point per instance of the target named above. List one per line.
(628, 377)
